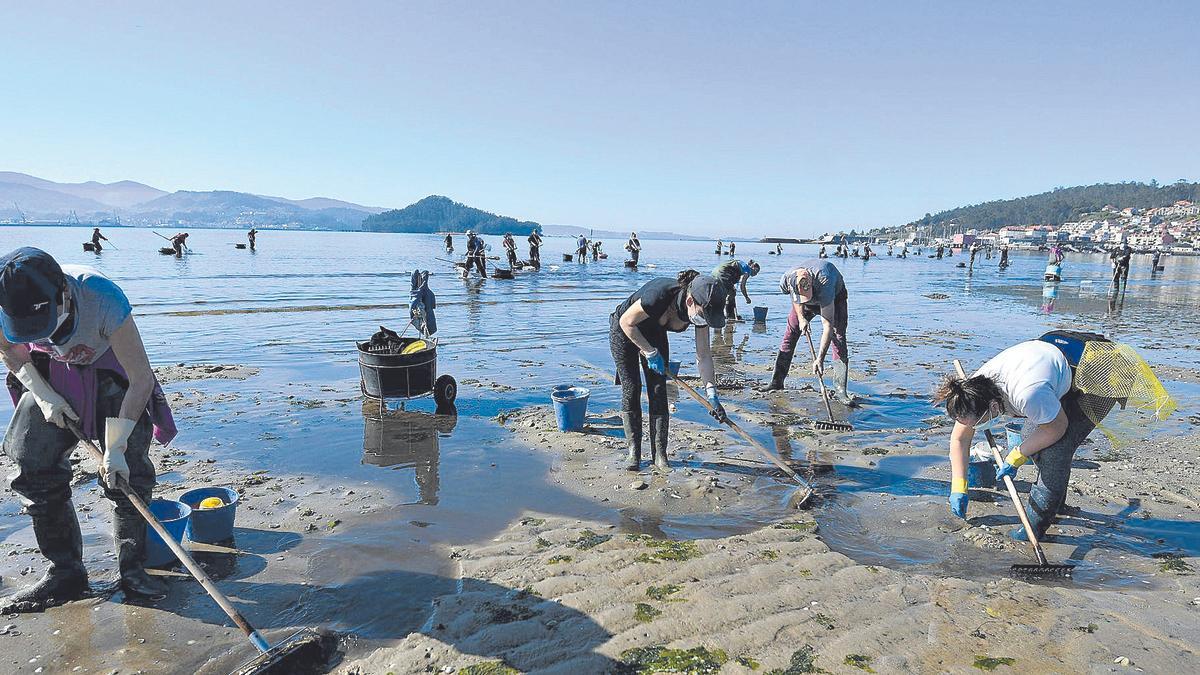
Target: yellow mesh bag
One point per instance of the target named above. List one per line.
(1111, 371)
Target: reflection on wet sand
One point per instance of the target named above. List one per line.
(403, 440)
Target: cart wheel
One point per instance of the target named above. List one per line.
(445, 389)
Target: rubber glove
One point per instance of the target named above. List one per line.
(54, 407)
(718, 411)
(114, 469)
(1011, 463)
(655, 360)
(958, 497)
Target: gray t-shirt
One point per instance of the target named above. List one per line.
(100, 308)
(826, 282)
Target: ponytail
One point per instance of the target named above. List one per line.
(685, 277)
(967, 398)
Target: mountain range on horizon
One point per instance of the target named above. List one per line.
(26, 197)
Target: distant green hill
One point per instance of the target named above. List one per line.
(1064, 204)
(442, 214)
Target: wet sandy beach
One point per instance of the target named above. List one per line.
(440, 543)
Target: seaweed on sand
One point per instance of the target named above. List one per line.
(698, 660)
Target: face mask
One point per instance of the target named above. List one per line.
(698, 320)
(990, 423)
(64, 328)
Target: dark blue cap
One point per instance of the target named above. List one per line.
(31, 282)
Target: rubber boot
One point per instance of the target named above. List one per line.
(841, 377)
(129, 533)
(633, 437)
(1035, 521)
(658, 441)
(57, 532)
(783, 362)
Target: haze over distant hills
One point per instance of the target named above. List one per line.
(36, 199)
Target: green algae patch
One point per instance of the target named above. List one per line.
(697, 660)
(824, 622)
(554, 560)
(989, 663)
(801, 526)
(769, 554)
(748, 662)
(645, 613)
(535, 522)
(860, 661)
(489, 668)
(588, 539)
(543, 544)
(662, 593)
(665, 549)
(1173, 563)
(804, 660)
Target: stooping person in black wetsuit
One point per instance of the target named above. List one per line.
(475, 254)
(535, 249)
(449, 243)
(638, 338)
(634, 247)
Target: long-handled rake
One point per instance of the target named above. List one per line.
(1043, 568)
(297, 653)
(798, 498)
(821, 424)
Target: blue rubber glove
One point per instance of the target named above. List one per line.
(959, 498)
(718, 411)
(1011, 463)
(656, 363)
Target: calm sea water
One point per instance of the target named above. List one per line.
(295, 307)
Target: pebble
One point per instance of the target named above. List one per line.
(1122, 661)
(638, 485)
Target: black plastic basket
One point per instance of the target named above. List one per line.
(386, 373)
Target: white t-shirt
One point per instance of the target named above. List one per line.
(1034, 377)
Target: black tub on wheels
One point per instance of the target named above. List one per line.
(387, 373)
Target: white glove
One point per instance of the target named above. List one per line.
(116, 438)
(54, 407)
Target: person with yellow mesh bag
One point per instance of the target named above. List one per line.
(1063, 385)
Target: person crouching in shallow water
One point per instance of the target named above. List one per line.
(638, 337)
(1030, 380)
(75, 357)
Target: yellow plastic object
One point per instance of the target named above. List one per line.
(414, 347)
(1111, 373)
(211, 503)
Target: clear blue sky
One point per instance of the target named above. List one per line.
(739, 118)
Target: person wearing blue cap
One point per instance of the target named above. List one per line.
(76, 359)
(637, 337)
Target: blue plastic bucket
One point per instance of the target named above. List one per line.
(981, 474)
(760, 314)
(570, 407)
(562, 387)
(1012, 434)
(174, 517)
(211, 526)
(673, 366)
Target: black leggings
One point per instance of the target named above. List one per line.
(627, 357)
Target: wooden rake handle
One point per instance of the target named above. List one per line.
(177, 548)
(820, 378)
(740, 432)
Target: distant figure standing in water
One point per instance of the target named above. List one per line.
(822, 253)
(1156, 260)
(596, 244)
(735, 273)
(535, 248)
(867, 252)
(1056, 254)
(251, 236)
(96, 238)
(1004, 256)
(510, 250)
(581, 249)
(732, 247)
(475, 254)
(634, 247)
(779, 248)
(449, 243)
(720, 247)
(940, 251)
(1120, 262)
(179, 243)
